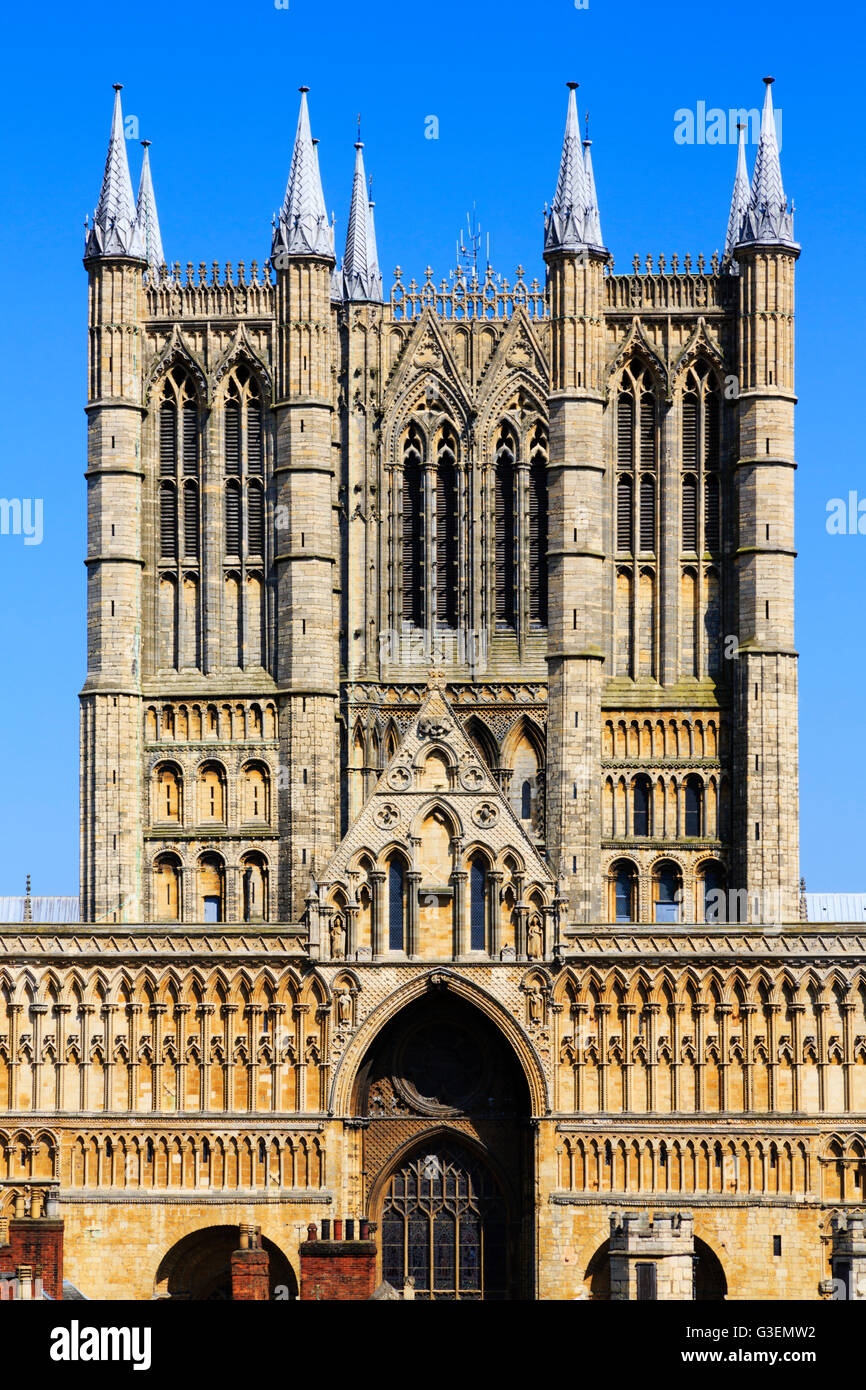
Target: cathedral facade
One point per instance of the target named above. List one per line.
(439, 823)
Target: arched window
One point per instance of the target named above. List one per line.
(255, 789)
(694, 797)
(396, 905)
(243, 457)
(667, 892)
(211, 888)
(168, 522)
(504, 484)
(538, 527)
(625, 430)
(167, 794)
(166, 888)
(712, 895)
(624, 883)
(446, 531)
(412, 538)
(168, 439)
(526, 800)
(232, 427)
(254, 881)
(477, 904)
(641, 798)
(211, 803)
(690, 430)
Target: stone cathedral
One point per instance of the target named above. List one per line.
(439, 805)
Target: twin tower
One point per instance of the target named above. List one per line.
(543, 531)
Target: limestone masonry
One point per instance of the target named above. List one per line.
(439, 805)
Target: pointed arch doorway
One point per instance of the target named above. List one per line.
(447, 1152)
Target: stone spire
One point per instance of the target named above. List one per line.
(573, 221)
(592, 226)
(769, 220)
(115, 230)
(303, 228)
(146, 215)
(739, 203)
(362, 279)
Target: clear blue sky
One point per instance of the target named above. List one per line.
(215, 89)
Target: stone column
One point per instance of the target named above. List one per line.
(377, 912)
(413, 884)
(494, 915)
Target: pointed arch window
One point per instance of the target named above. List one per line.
(168, 522)
(641, 802)
(538, 527)
(625, 430)
(505, 512)
(446, 531)
(412, 529)
(478, 889)
(243, 462)
(168, 439)
(647, 430)
(396, 904)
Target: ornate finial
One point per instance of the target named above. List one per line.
(572, 86)
(586, 139)
(303, 89)
(28, 916)
(118, 86)
(768, 81)
(359, 127)
(146, 144)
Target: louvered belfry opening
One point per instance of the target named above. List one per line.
(538, 527)
(447, 517)
(505, 484)
(180, 470)
(244, 520)
(412, 529)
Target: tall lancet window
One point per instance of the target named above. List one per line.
(538, 527)
(179, 521)
(412, 528)
(244, 521)
(505, 476)
(635, 520)
(702, 517)
(447, 518)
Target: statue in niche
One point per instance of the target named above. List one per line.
(534, 942)
(338, 938)
(344, 1008)
(535, 1000)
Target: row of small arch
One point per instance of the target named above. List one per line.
(224, 722)
(663, 738)
(261, 990)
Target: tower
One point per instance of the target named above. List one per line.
(765, 701)
(304, 552)
(575, 258)
(111, 826)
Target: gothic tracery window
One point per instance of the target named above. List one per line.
(444, 1226)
